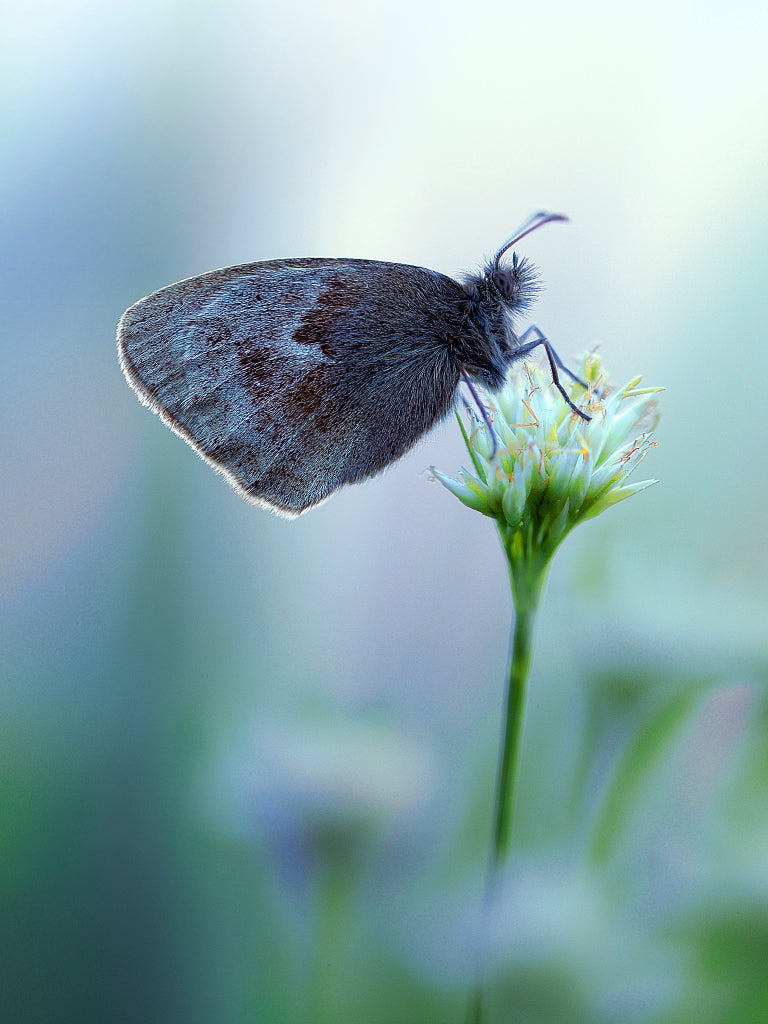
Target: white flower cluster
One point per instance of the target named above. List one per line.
(546, 469)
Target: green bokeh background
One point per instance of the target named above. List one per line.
(247, 764)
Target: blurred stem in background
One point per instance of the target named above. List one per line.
(540, 470)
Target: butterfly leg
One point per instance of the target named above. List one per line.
(482, 410)
(554, 362)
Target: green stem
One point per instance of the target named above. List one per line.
(526, 590)
(506, 781)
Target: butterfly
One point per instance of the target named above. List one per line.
(294, 377)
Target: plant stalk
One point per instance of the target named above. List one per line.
(526, 590)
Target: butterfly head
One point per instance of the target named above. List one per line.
(489, 338)
(502, 290)
(513, 286)
(517, 285)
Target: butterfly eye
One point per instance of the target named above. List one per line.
(506, 282)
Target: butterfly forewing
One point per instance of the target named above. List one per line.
(294, 377)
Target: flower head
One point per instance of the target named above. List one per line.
(545, 469)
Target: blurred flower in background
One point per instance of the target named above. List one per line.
(322, 785)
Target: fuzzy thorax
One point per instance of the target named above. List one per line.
(497, 295)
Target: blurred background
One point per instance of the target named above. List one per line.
(247, 763)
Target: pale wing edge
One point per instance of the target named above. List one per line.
(147, 399)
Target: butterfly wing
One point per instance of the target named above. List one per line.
(294, 377)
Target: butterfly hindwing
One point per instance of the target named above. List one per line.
(294, 377)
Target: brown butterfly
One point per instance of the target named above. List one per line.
(295, 377)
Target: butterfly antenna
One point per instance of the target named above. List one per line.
(483, 412)
(538, 220)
